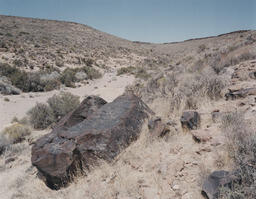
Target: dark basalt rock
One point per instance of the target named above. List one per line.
(190, 120)
(217, 180)
(157, 127)
(103, 134)
(252, 75)
(239, 93)
(88, 106)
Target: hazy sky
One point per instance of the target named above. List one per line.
(144, 20)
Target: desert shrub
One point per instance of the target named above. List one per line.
(89, 62)
(51, 85)
(142, 73)
(34, 83)
(125, 70)
(4, 143)
(71, 75)
(7, 70)
(17, 77)
(17, 62)
(41, 116)
(20, 80)
(92, 73)
(214, 86)
(9, 34)
(201, 48)
(80, 76)
(6, 99)
(50, 81)
(68, 77)
(16, 132)
(241, 144)
(197, 67)
(62, 104)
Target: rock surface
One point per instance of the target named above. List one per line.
(60, 154)
(215, 181)
(201, 135)
(157, 127)
(88, 106)
(190, 120)
(240, 93)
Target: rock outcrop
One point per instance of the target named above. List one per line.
(88, 106)
(190, 120)
(217, 180)
(104, 132)
(239, 93)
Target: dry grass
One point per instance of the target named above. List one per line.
(16, 133)
(241, 143)
(41, 116)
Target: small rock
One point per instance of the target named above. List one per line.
(176, 187)
(201, 136)
(157, 128)
(190, 120)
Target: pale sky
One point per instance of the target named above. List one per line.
(144, 20)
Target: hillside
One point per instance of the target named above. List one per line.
(214, 77)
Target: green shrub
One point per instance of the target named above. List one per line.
(92, 73)
(41, 116)
(201, 48)
(62, 104)
(68, 77)
(16, 132)
(89, 62)
(51, 85)
(17, 62)
(6, 99)
(142, 73)
(125, 70)
(17, 77)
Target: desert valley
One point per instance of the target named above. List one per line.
(85, 114)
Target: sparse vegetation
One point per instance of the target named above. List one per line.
(16, 133)
(46, 80)
(142, 73)
(201, 48)
(6, 99)
(125, 70)
(41, 116)
(62, 104)
(68, 76)
(241, 144)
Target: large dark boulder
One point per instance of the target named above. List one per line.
(88, 106)
(217, 180)
(104, 133)
(190, 120)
